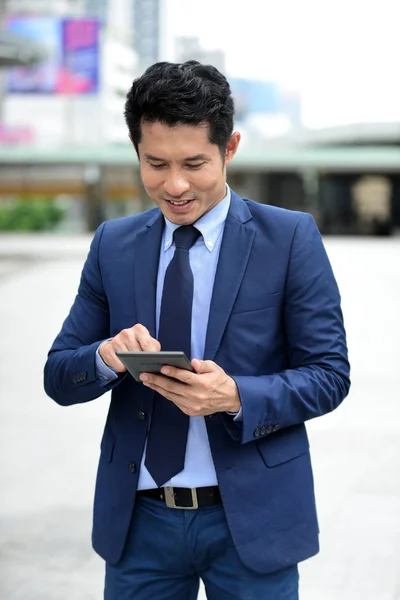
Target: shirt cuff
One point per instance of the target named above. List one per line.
(104, 373)
(238, 416)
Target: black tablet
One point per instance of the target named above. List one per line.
(151, 362)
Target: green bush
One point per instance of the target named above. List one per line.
(30, 215)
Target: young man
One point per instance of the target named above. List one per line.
(206, 474)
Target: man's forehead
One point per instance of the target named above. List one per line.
(184, 142)
(182, 130)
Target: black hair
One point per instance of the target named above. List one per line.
(188, 93)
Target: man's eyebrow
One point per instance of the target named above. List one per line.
(197, 157)
(188, 159)
(151, 157)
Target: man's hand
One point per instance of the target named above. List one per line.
(134, 339)
(207, 391)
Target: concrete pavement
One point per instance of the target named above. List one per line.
(49, 454)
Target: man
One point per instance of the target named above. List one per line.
(206, 474)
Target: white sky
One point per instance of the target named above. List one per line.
(344, 55)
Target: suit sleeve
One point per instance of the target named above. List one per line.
(70, 374)
(317, 377)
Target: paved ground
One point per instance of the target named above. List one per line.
(48, 454)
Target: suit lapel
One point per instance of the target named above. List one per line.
(147, 253)
(234, 255)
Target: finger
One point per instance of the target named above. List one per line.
(144, 339)
(107, 354)
(162, 390)
(126, 341)
(182, 402)
(136, 339)
(204, 366)
(118, 365)
(182, 375)
(169, 386)
(178, 393)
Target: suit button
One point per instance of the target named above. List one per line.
(276, 427)
(269, 429)
(263, 430)
(256, 432)
(132, 467)
(142, 415)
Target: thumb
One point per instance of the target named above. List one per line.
(203, 366)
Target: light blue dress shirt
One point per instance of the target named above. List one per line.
(199, 468)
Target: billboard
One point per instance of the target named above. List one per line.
(73, 56)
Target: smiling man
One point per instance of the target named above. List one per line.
(186, 176)
(202, 474)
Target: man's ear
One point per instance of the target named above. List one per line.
(232, 147)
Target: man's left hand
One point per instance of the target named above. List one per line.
(207, 391)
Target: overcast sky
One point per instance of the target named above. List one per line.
(344, 55)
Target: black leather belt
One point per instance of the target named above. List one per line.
(184, 498)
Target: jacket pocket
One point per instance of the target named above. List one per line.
(107, 445)
(255, 302)
(284, 445)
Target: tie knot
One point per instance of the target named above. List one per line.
(185, 236)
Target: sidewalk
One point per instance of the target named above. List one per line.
(29, 246)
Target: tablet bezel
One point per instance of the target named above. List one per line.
(151, 362)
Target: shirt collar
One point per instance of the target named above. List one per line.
(210, 225)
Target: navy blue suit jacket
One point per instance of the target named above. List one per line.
(275, 326)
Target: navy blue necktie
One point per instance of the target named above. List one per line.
(166, 446)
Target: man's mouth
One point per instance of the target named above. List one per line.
(179, 202)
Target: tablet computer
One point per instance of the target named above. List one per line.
(151, 362)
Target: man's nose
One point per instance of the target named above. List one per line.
(176, 185)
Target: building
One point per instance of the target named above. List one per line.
(146, 27)
(97, 9)
(190, 48)
(66, 115)
(44, 7)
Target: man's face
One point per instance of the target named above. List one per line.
(182, 172)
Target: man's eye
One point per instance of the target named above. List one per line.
(156, 166)
(196, 166)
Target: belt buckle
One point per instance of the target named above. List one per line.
(170, 499)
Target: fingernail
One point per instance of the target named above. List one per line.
(144, 377)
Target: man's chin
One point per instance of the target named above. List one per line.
(180, 216)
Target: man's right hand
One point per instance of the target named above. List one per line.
(134, 339)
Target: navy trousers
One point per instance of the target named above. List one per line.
(169, 550)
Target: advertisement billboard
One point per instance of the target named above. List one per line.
(72, 58)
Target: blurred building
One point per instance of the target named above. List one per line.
(348, 188)
(264, 109)
(76, 97)
(98, 9)
(360, 199)
(190, 48)
(71, 142)
(15, 50)
(146, 26)
(44, 7)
